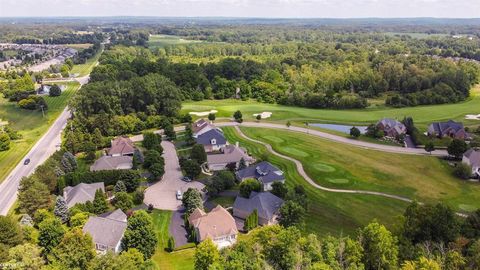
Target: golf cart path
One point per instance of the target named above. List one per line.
(302, 172)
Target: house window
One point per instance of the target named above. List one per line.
(213, 141)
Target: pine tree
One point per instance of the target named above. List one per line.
(120, 187)
(97, 138)
(69, 162)
(100, 204)
(61, 209)
(251, 222)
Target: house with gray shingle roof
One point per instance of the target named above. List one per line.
(391, 127)
(81, 193)
(264, 172)
(472, 158)
(212, 140)
(121, 146)
(112, 163)
(266, 204)
(107, 230)
(447, 129)
(201, 126)
(230, 154)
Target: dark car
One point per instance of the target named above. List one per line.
(26, 161)
(186, 179)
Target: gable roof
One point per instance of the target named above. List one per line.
(392, 124)
(442, 127)
(115, 215)
(229, 154)
(81, 193)
(112, 163)
(207, 137)
(264, 171)
(121, 146)
(216, 223)
(106, 231)
(200, 124)
(266, 204)
(473, 156)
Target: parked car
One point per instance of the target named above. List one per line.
(26, 161)
(179, 195)
(186, 179)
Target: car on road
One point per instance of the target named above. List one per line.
(179, 195)
(26, 161)
(186, 179)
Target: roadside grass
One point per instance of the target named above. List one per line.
(85, 69)
(30, 124)
(422, 115)
(329, 213)
(423, 178)
(177, 260)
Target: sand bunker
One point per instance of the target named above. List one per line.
(203, 113)
(263, 115)
(472, 116)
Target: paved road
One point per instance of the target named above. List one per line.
(40, 152)
(162, 195)
(336, 138)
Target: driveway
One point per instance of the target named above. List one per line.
(177, 229)
(162, 195)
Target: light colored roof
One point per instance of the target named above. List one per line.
(263, 171)
(112, 163)
(216, 223)
(266, 204)
(105, 231)
(229, 154)
(121, 146)
(81, 193)
(200, 124)
(473, 156)
(115, 215)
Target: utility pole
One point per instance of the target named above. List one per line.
(43, 112)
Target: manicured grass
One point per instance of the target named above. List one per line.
(329, 213)
(160, 41)
(422, 115)
(424, 178)
(224, 201)
(178, 260)
(85, 69)
(30, 124)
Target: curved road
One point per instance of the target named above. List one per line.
(302, 172)
(40, 152)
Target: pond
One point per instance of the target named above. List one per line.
(341, 128)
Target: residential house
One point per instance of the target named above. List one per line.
(264, 172)
(472, 158)
(230, 154)
(201, 126)
(450, 129)
(391, 127)
(81, 193)
(266, 204)
(217, 225)
(107, 230)
(112, 163)
(212, 140)
(121, 146)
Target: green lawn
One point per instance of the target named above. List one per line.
(85, 69)
(329, 213)
(30, 124)
(424, 178)
(178, 260)
(422, 115)
(160, 41)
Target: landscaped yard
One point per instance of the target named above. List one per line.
(333, 213)
(178, 260)
(422, 115)
(30, 124)
(424, 178)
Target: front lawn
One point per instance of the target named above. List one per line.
(178, 260)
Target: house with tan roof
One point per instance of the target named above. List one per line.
(107, 231)
(112, 163)
(81, 193)
(391, 127)
(218, 225)
(230, 154)
(121, 146)
(201, 126)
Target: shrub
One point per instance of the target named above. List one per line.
(463, 171)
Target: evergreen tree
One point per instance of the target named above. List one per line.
(242, 164)
(198, 153)
(4, 141)
(69, 162)
(189, 139)
(171, 244)
(100, 204)
(119, 187)
(61, 209)
(97, 138)
(251, 222)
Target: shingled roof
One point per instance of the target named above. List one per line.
(207, 137)
(473, 156)
(229, 154)
(216, 223)
(112, 163)
(200, 124)
(107, 230)
(121, 146)
(264, 171)
(81, 193)
(266, 204)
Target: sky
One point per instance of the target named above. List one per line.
(244, 8)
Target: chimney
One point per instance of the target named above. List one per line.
(236, 144)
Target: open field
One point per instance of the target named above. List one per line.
(85, 69)
(329, 213)
(424, 178)
(178, 260)
(160, 41)
(79, 46)
(30, 124)
(422, 115)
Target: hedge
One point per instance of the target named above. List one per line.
(130, 178)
